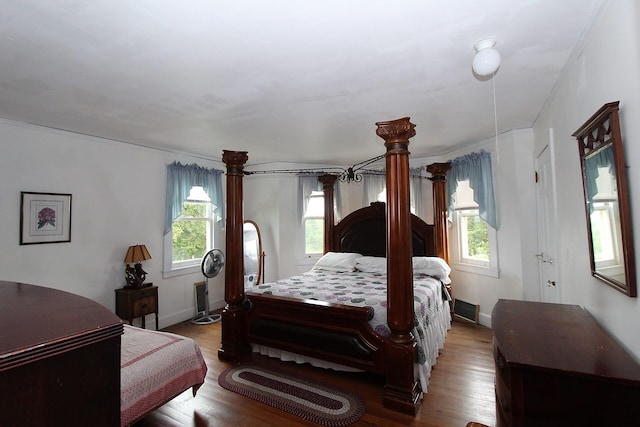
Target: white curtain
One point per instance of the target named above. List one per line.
(416, 188)
(376, 182)
(307, 184)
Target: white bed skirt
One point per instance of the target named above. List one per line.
(437, 332)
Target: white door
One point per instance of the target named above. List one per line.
(546, 222)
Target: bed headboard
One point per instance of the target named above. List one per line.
(364, 231)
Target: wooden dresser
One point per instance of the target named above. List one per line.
(556, 366)
(59, 359)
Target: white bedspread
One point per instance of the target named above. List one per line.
(155, 368)
(431, 306)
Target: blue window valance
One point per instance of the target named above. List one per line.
(180, 179)
(592, 164)
(475, 167)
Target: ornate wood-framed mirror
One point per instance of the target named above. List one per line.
(606, 196)
(253, 254)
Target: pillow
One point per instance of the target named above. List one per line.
(433, 266)
(339, 262)
(371, 264)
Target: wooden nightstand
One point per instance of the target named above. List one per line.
(132, 303)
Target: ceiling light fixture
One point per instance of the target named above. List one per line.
(487, 59)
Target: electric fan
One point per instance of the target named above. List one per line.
(212, 264)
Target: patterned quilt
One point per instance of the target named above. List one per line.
(431, 304)
(155, 368)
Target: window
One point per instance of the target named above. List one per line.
(474, 241)
(313, 225)
(375, 189)
(605, 245)
(604, 211)
(191, 234)
(193, 204)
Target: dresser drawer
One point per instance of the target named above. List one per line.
(503, 388)
(146, 292)
(144, 305)
(503, 401)
(502, 369)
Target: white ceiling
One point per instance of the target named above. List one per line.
(285, 80)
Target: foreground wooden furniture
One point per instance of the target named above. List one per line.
(555, 366)
(132, 303)
(349, 339)
(59, 359)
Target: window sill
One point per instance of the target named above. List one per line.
(474, 269)
(180, 271)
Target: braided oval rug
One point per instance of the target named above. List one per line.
(313, 401)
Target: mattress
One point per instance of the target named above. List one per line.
(356, 288)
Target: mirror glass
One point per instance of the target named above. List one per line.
(253, 254)
(606, 200)
(604, 213)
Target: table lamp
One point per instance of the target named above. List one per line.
(135, 275)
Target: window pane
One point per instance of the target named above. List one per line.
(602, 225)
(313, 235)
(464, 196)
(189, 239)
(193, 210)
(475, 233)
(198, 193)
(315, 207)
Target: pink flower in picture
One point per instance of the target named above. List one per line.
(46, 216)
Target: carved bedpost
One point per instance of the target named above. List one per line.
(234, 346)
(402, 392)
(328, 181)
(439, 179)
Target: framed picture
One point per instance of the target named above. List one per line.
(45, 218)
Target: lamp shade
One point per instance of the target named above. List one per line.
(137, 253)
(487, 59)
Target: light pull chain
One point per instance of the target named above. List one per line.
(495, 117)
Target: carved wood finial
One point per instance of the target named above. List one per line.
(396, 132)
(438, 171)
(234, 159)
(327, 180)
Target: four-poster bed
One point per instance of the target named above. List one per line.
(338, 333)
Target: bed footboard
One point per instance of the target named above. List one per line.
(332, 332)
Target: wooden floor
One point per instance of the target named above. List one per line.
(461, 388)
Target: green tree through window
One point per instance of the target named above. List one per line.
(314, 236)
(314, 224)
(190, 232)
(477, 238)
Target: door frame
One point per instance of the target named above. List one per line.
(552, 293)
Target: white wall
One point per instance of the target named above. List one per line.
(118, 193)
(606, 69)
(513, 172)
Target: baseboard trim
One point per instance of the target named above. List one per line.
(484, 319)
